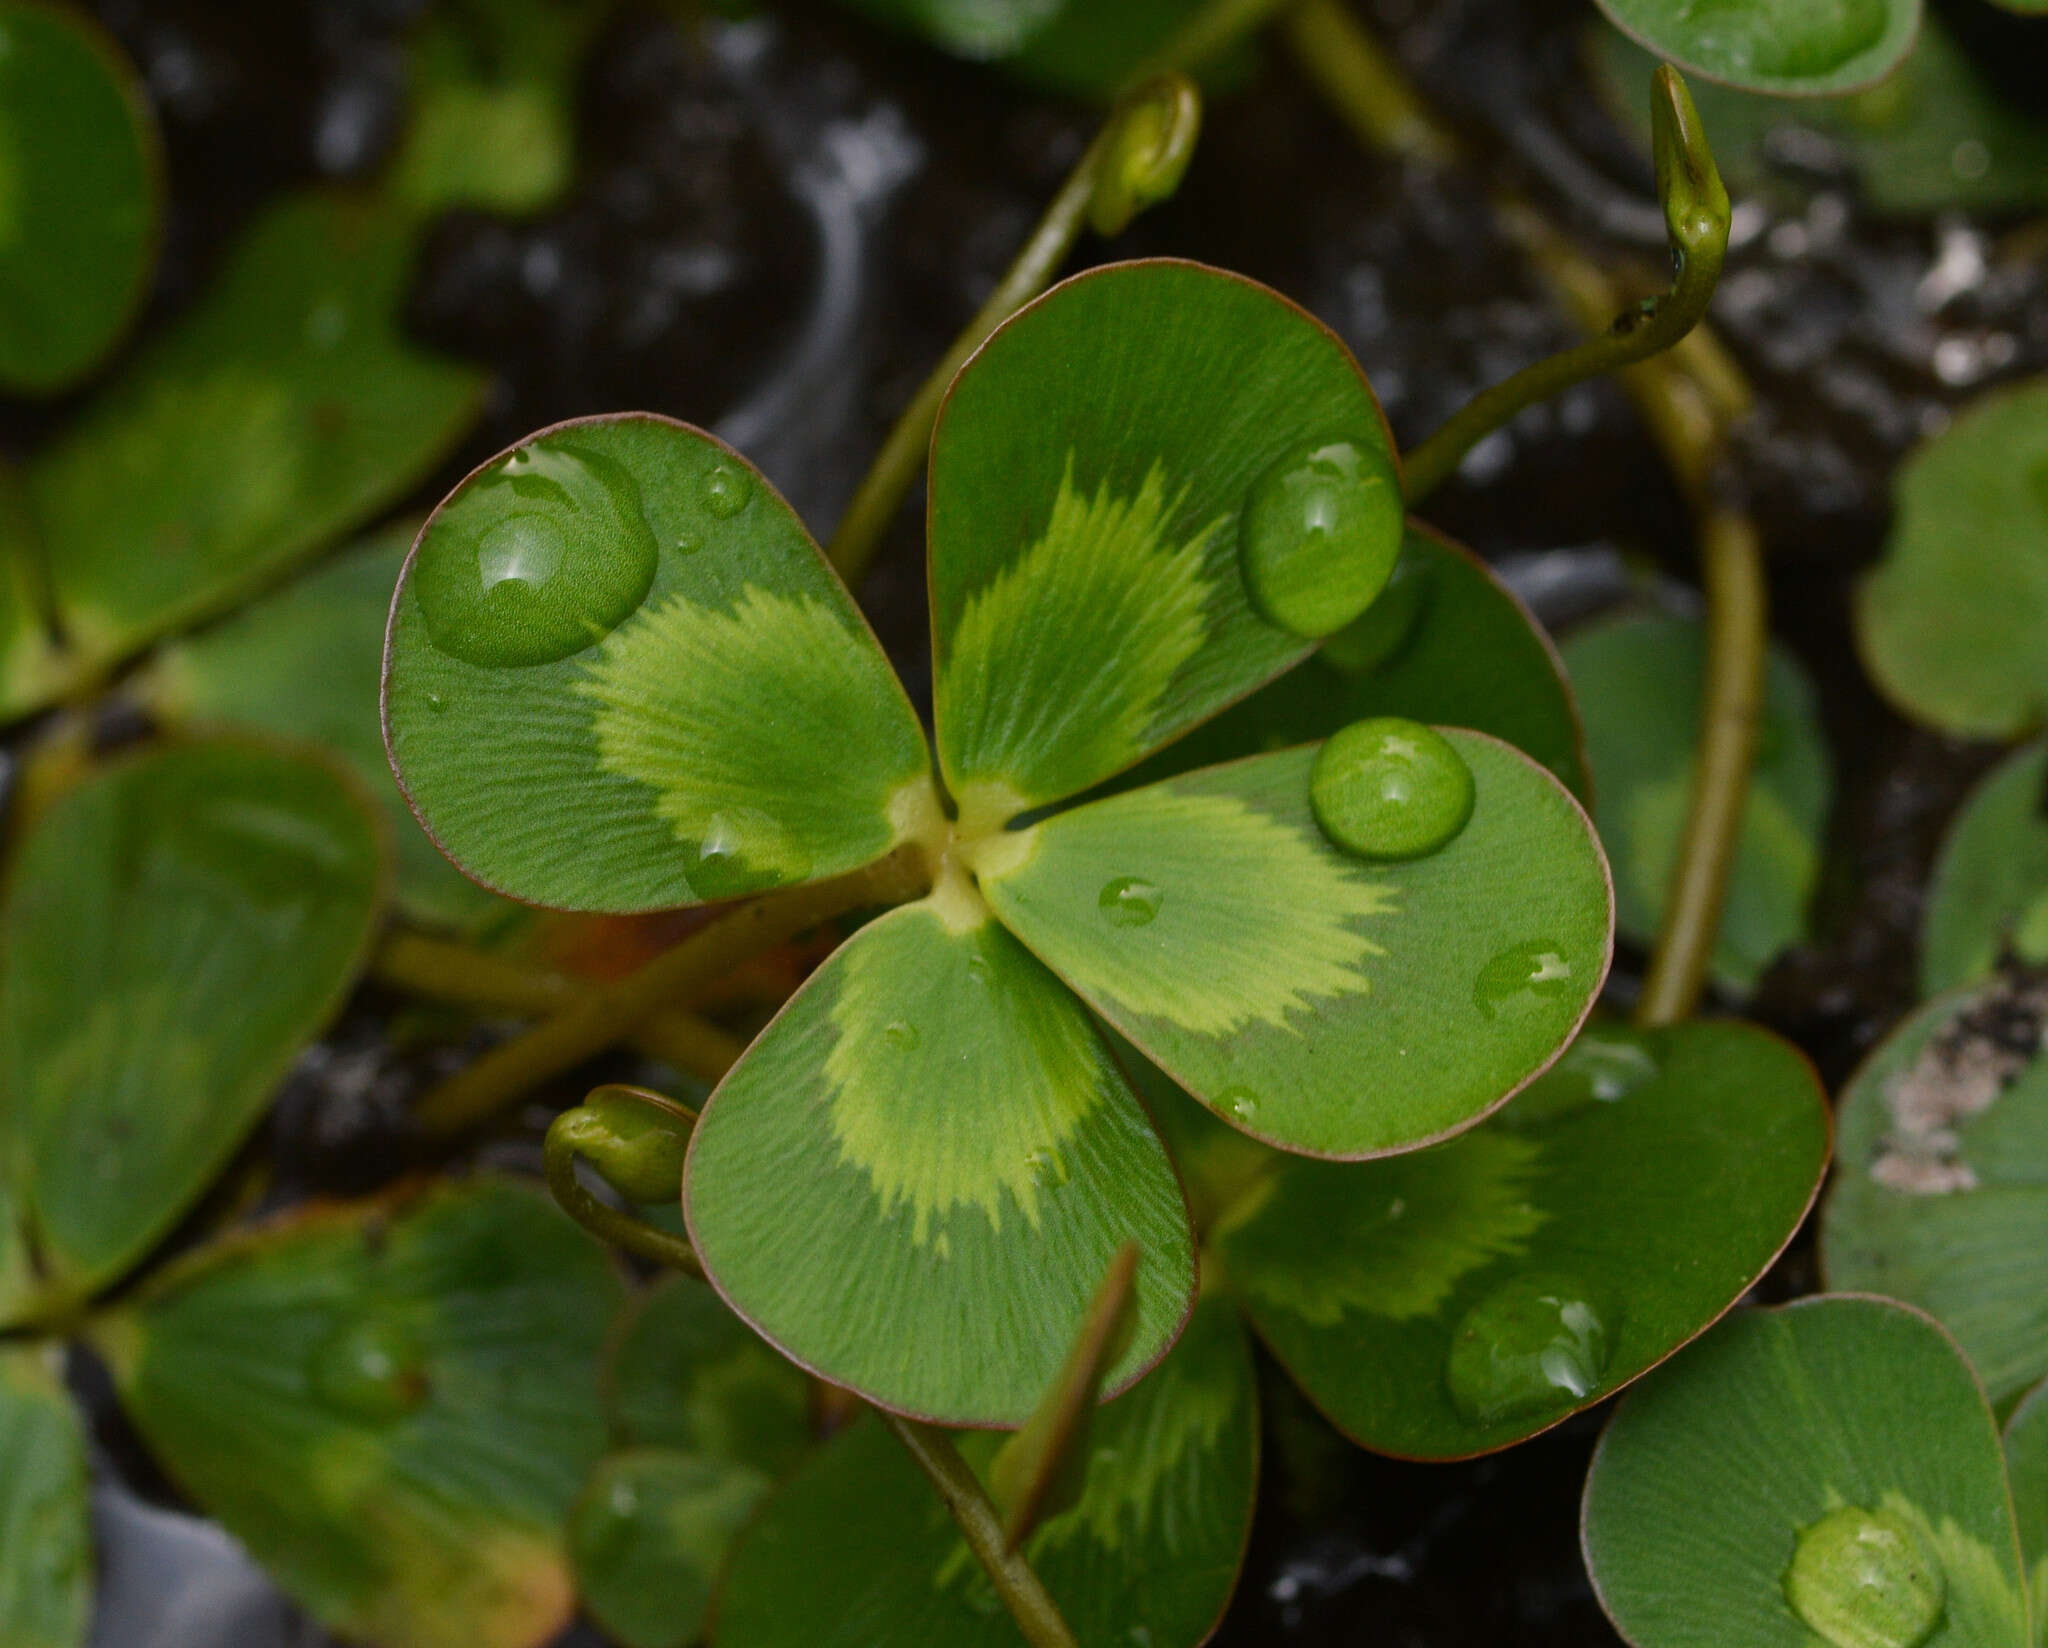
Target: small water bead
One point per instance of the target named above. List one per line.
(1377, 638)
(535, 559)
(369, 1370)
(1866, 1579)
(1240, 1102)
(902, 1035)
(980, 969)
(1128, 901)
(1532, 972)
(1387, 788)
(1319, 536)
(1533, 1345)
(727, 490)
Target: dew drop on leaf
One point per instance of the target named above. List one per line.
(1240, 1102)
(980, 969)
(1320, 534)
(1128, 901)
(1533, 1344)
(1866, 1579)
(727, 488)
(902, 1035)
(368, 1370)
(1524, 972)
(1387, 788)
(536, 559)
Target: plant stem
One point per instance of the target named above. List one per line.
(1023, 1593)
(608, 1223)
(445, 971)
(610, 1012)
(1364, 86)
(1688, 400)
(1109, 183)
(1731, 566)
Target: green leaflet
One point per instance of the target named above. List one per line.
(1940, 1196)
(282, 411)
(1638, 680)
(45, 1535)
(1715, 1465)
(649, 1537)
(937, 1126)
(686, 1375)
(304, 663)
(2026, 1466)
(1953, 623)
(651, 657)
(30, 664)
(1934, 135)
(1101, 610)
(81, 186)
(1447, 644)
(1651, 1178)
(175, 929)
(1096, 455)
(854, 1549)
(1989, 894)
(392, 1405)
(1790, 47)
(1323, 1004)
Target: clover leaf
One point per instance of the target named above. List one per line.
(1827, 1472)
(81, 195)
(1800, 49)
(1989, 895)
(46, 1599)
(620, 676)
(1940, 1195)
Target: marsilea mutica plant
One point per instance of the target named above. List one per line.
(622, 677)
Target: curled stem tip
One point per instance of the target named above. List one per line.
(1696, 215)
(1143, 151)
(575, 1133)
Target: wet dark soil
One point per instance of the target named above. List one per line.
(730, 182)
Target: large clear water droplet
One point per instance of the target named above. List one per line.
(1532, 1345)
(1866, 1579)
(1522, 974)
(728, 489)
(1390, 789)
(369, 1369)
(537, 558)
(1319, 536)
(1128, 901)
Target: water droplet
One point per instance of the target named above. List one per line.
(1044, 1169)
(1377, 638)
(980, 969)
(1319, 536)
(1537, 971)
(1240, 1102)
(727, 490)
(1533, 1344)
(1866, 1579)
(436, 702)
(369, 1370)
(745, 850)
(535, 559)
(688, 543)
(1390, 789)
(1128, 901)
(1603, 1066)
(902, 1035)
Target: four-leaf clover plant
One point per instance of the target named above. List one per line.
(620, 676)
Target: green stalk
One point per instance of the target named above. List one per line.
(1696, 213)
(1023, 1593)
(611, 1012)
(1363, 85)
(1135, 161)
